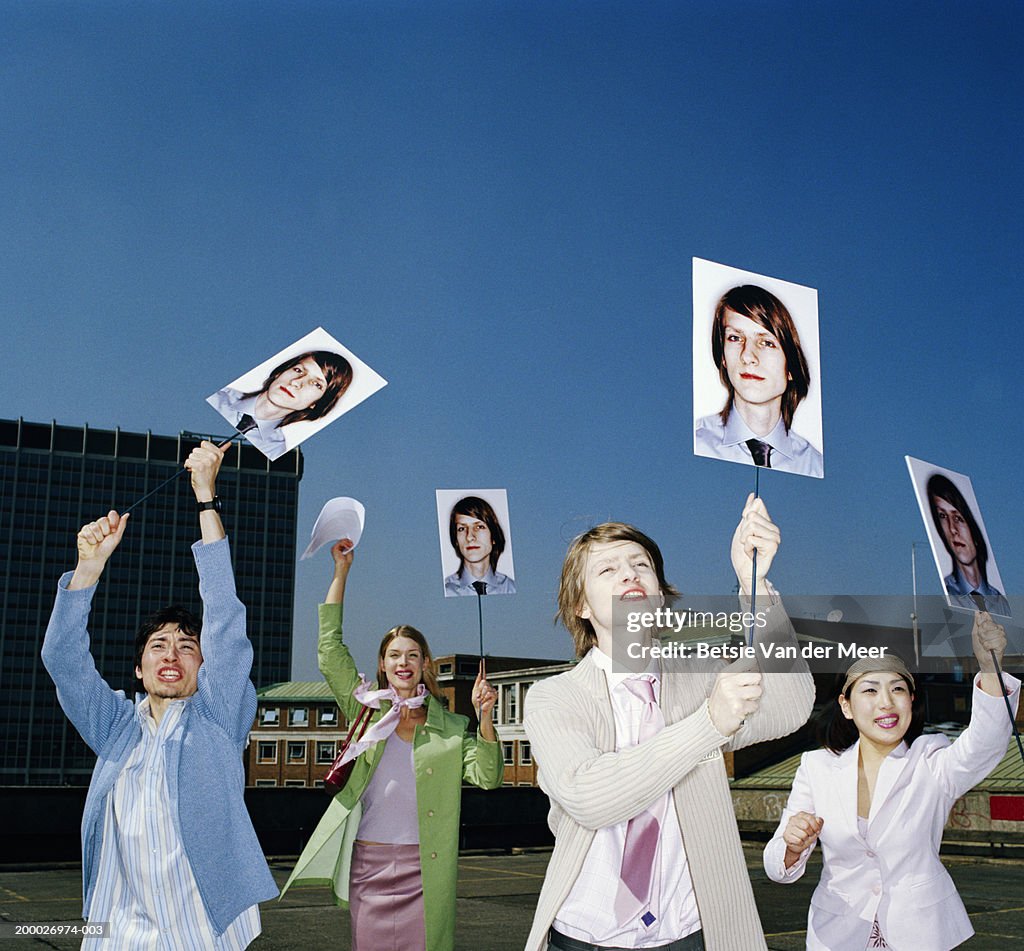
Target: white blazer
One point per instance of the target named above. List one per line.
(894, 874)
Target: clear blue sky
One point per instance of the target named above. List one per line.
(495, 205)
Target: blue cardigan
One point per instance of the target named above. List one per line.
(204, 765)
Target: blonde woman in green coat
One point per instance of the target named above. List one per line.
(388, 844)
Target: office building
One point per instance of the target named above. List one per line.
(53, 479)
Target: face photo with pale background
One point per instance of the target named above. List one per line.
(296, 393)
(476, 542)
(759, 366)
(959, 542)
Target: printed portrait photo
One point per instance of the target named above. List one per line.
(476, 542)
(959, 543)
(756, 370)
(296, 393)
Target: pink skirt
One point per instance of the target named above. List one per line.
(385, 894)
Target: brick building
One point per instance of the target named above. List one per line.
(295, 737)
(299, 726)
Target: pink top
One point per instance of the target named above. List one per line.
(389, 802)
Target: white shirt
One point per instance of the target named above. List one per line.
(790, 451)
(145, 888)
(588, 913)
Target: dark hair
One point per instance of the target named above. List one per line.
(571, 586)
(941, 487)
(836, 733)
(766, 309)
(337, 371)
(407, 630)
(184, 619)
(474, 507)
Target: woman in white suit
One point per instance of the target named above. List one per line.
(879, 805)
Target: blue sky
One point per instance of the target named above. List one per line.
(495, 205)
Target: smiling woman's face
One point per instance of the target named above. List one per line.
(402, 664)
(298, 387)
(879, 703)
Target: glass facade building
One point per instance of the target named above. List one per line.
(55, 478)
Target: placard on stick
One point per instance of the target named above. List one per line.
(959, 542)
(295, 393)
(756, 370)
(476, 542)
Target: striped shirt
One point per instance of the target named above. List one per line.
(588, 913)
(145, 888)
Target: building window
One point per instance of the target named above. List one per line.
(295, 782)
(329, 716)
(325, 751)
(445, 668)
(266, 752)
(269, 716)
(509, 712)
(525, 757)
(298, 716)
(506, 752)
(297, 752)
(318, 783)
(266, 782)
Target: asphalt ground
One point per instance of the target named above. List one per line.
(496, 898)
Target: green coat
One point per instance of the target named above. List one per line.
(443, 756)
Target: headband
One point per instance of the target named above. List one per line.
(888, 662)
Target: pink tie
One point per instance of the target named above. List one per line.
(634, 894)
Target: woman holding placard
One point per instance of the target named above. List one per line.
(878, 797)
(388, 843)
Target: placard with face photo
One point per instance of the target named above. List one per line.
(956, 533)
(476, 542)
(296, 393)
(756, 370)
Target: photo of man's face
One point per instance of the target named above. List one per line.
(754, 361)
(476, 547)
(284, 400)
(474, 539)
(958, 540)
(956, 532)
(756, 370)
(297, 388)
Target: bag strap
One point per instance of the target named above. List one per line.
(362, 717)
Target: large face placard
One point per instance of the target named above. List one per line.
(959, 542)
(296, 393)
(756, 370)
(476, 542)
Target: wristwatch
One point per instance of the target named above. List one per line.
(214, 504)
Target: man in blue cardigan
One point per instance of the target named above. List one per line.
(169, 855)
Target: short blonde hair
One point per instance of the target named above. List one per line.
(407, 630)
(571, 587)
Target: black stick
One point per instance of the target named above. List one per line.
(169, 480)
(480, 622)
(753, 566)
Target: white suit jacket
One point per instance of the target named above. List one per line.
(894, 874)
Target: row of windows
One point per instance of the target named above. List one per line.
(508, 752)
(289, 782)
(298, 716)
(295, 751)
